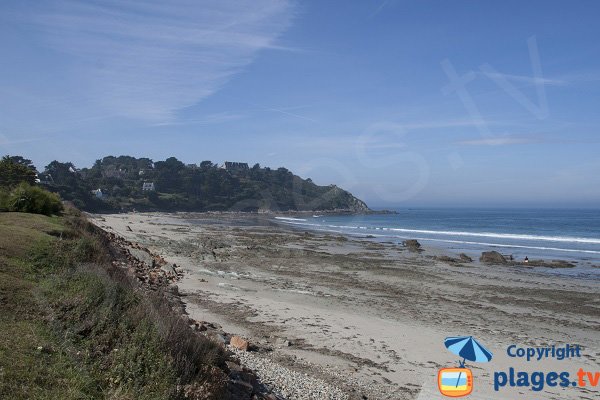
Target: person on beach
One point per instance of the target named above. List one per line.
(526, 259)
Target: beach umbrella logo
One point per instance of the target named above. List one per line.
(458, 382)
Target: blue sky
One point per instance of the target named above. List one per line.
(463, 103)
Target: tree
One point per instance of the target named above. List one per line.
(69, 184)
(169, 174)
(13, 171)
(23, 161)
(62, 173)
(206, 165)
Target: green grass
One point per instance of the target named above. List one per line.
(73, 327)
(34, 362)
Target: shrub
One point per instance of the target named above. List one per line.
(3, 200)
(33, 199)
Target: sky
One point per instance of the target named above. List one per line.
(403, 103)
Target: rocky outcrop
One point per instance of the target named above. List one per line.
(492, 257)
(549, 264)
(465, 258)
(412, 245)
(462, 258)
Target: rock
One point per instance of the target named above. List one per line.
(168, 268)
(464, 258)
(552, 264)
(492, 257)
(240, 389)
(233, 367)
(142, 256)
(412, 244)
(239, 343)
(220, 338)
(173, 288)
(561, 264)
(446, 259)
(281, 342)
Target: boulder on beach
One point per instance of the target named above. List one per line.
(168, 268)
(446, 259)
(464, 258)
(492, 257)
(239, 343)
(412, 244)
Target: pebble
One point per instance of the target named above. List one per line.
(290, 384)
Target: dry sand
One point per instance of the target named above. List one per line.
(369, 318)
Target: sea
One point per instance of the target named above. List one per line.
(548, 234)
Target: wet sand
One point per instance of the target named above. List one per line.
(367, 317)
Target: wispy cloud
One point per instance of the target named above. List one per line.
(148, 59)
(438, 124)
(6, 141)
(578, 77)
(285, 111)
(528, 80)
(569, 79)
(210, 119)
(497, 141)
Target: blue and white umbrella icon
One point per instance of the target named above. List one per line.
(468, 348)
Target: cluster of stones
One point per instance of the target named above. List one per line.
(150, 270)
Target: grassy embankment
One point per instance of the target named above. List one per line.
(72, 326)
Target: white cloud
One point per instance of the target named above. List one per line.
(148, 59)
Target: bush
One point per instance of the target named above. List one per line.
(3, 200)
(32, 199)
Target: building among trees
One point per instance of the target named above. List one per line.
(148, 186)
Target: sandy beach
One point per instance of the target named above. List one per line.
(368, 319)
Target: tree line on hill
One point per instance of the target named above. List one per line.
(127, 183)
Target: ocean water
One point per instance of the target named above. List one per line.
(572, 235)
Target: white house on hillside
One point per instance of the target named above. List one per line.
(148, 186)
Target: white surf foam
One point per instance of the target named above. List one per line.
(512, 236)
(290, 219)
